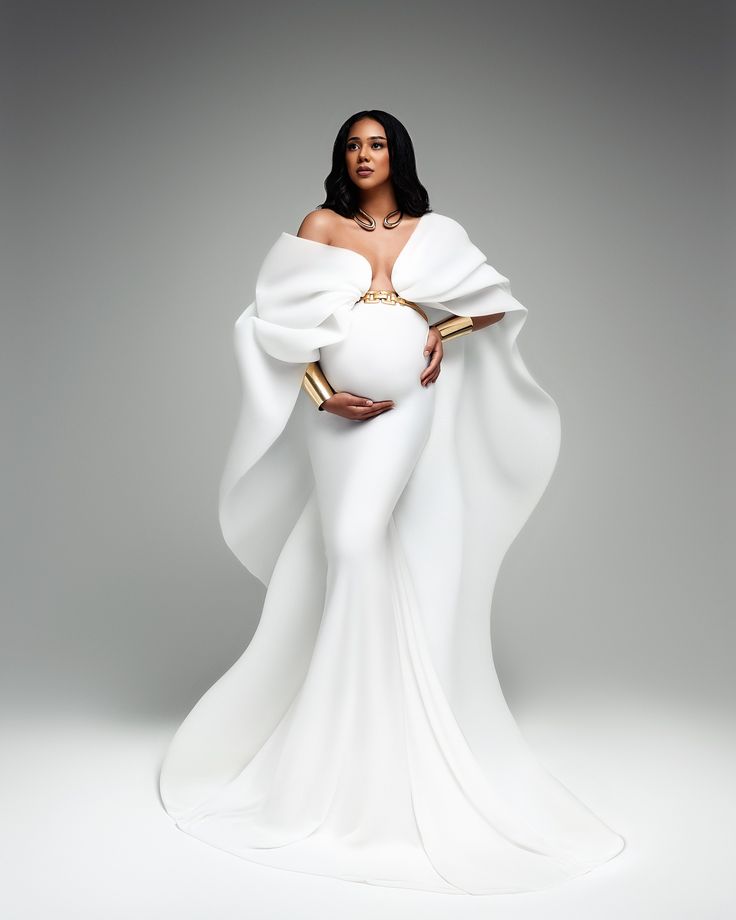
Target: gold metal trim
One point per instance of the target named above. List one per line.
(454, 326)
(391, 297)
(316, 384)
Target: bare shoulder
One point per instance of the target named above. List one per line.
(318, 225)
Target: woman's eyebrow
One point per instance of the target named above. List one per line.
(375, 137)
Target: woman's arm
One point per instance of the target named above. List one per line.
(448, 326)
(340, 403)
(480, 322)
(317, 385)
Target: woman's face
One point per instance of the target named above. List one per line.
(367, 149)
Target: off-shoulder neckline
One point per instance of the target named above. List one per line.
(360, 256)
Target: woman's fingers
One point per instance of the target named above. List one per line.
(356, 408)
(361, 407)
(367, 411)
(368, 415)
(435, 361)
(431, 371)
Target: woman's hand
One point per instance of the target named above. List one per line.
(434, 348)
(355, 407)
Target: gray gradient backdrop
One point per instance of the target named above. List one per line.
(156, 150)
(153, 152)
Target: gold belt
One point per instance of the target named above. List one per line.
(391, 297)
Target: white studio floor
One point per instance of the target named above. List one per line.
(84, 834)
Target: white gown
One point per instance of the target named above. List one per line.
(363, 733)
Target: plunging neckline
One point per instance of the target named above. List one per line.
(363, 258)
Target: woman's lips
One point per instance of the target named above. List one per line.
(364, 172)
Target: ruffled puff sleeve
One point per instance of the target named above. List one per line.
(303, 301)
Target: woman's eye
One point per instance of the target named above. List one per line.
(374, 144)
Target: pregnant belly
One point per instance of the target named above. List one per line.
(382, 355)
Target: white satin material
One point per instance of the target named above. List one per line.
(363, 733)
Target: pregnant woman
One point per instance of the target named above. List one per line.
(390, 446)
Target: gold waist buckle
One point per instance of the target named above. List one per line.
(391, 297)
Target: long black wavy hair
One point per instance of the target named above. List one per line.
(341, 191)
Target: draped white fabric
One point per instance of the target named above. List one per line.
(363, 733)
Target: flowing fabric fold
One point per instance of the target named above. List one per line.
(469, 774)
(303, 301)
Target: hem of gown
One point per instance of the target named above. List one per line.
(415, 867)
(254, 855)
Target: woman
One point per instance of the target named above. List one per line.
(363, 733)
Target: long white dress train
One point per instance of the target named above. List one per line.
(363, 733)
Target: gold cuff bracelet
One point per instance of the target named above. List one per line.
(454, 326)
(316, 384)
